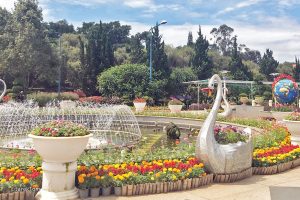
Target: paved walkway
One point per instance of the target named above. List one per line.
(284, 186)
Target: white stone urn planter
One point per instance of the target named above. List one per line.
(139, 106)
(294, 129)
(244, 100)
(259, 100)
(67, 104)
(175, 108)
(59, 156)
(279, 116)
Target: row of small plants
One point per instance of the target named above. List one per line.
(133, 173)
(14, 179)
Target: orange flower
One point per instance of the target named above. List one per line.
(35, 186)
(80, 179)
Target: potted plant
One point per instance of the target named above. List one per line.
(95, 182)
(244, 98)
(175, 105)
(83, 185)
(118, 183)
(259, 100)
(106, 183)
(59, 143)
(292, 121)
(139, 104)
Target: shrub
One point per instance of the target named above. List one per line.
(69, 96)
(42, 98)
(173, 131)
(60, 129)
(175, 102)
(80, 93)
(92, 99)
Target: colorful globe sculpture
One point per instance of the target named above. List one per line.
(285, 89)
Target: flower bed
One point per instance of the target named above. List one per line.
(275, 159)
(20, 184)
(137, 178)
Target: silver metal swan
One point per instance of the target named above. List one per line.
(227, 107)
(221, 159)
(4, 89)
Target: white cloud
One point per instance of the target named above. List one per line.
(8, 4)
(138, 3)
(240, 5)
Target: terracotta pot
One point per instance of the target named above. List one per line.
(129, 190)
(124, 190)
(83, 193)
(118, 191)
(106, 191)
(95, 192)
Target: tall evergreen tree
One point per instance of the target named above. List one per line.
(296, 70)
(159, 58)
(190, 41)
(237, 68)
(137, 54)
(201, 63)
(268, 64)
(29, 56)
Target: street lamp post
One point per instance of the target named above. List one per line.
(150, 56)
(59, 68)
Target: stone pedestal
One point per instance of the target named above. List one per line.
(58, 181)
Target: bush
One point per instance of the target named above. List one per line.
(201, 106)
(42, 98)
(69, 96)
(80, 93)
(173, 131)
(175, 102)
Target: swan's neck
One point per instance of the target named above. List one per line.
(214, 111)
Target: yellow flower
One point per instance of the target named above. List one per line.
(170, 169)
(110, 174)
(3, 180)
(16, 181)
(152, 178)
(26, 180)
(190, 170)
(164, 169)
(174, 178)
(11, 178)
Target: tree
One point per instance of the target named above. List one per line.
(137, 52)
(56, 29)
(127, 81)
(237, 68)
(177, 77)
(161, 69)
(268, 64)
(179, 56)
(190, 41)
(296, 70)
(201, 63)
(223, 38)
(28, 55)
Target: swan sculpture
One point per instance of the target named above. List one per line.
(4, 89)
(221, 159)
(227, 108)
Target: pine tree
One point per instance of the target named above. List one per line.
(190, 41)
(201, 63)
(137, 54)
(237, 68)
(159, 58)
(296, 70)
(268, 64)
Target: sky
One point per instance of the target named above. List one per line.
(259, 24)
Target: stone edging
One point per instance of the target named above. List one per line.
(282, 167)
(229, 178)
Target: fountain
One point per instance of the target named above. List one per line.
(111, 125)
